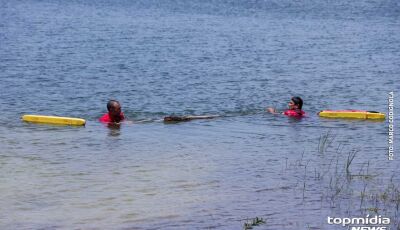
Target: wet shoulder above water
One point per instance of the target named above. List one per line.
(227, 58)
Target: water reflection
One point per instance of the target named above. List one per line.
(114, 129)
(295, 120)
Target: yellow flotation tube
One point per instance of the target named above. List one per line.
(53, 120)
(352, 114)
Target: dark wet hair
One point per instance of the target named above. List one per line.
(110, 104)
(298, 101)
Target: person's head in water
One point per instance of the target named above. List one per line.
(114, 110)
(296, 103)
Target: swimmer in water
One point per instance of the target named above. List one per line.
(295, 106)
(114, 115)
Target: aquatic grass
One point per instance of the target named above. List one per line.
(305, 179)
(317, 175)
(345, 186)
(362, 175)
(362, 195)
(286, 162)
(326, 170)
(299, 162)
(391, 194)
(350, 158)
(373, 209)
(325, 141)
(249, 224)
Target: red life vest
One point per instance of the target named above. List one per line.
(107, 119)
(294, 113)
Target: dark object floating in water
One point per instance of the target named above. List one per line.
(187, 118)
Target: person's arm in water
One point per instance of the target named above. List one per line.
(273, 111)
(126, 121)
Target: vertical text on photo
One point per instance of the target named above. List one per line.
(391, 126)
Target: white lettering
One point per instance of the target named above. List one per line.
(360, 223)
(359, 220)
(385, 220)
(337, 221)
(346, 221)
(374, 220)
(368, 228)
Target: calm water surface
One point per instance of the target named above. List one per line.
(232, 58)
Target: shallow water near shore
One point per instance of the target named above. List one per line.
(228, 58)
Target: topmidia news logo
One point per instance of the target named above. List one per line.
(362, 223)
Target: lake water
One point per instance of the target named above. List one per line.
(231, 58)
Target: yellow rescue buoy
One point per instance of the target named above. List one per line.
(352, 114)
(54, 120)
